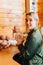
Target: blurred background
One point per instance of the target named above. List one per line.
(12, 13)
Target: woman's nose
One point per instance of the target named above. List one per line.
(28, 22)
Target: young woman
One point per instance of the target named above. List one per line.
(31, 52)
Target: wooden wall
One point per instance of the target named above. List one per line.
(40, 11)
(27, 5)
(12, 13)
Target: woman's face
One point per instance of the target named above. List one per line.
(31, 23)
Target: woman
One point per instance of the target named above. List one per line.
(31, 52)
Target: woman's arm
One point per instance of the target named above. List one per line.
(28, 54)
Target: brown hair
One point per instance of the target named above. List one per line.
(35, 16)
(30, 13)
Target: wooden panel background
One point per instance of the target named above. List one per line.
(12, 13)
(27, 6)
(40, 11)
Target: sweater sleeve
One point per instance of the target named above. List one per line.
(29, 54)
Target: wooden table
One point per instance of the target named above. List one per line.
(7, 54)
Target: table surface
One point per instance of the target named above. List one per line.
(7, 54)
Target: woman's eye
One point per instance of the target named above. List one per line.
(30, 19)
